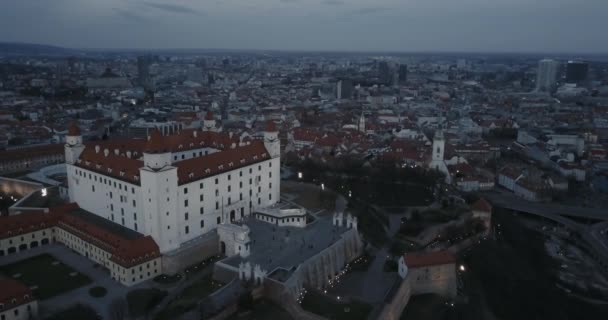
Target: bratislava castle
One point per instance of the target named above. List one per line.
(174, 188)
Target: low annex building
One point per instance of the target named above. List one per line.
(129, 256)
(16, 301)
(421, 273)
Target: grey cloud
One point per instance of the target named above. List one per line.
(129, 15)
(172, 8)
(370, 10)
(288, 1)
(333, 2)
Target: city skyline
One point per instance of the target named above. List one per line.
(330, 25)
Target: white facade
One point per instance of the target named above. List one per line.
(172, 212)
(25, 311)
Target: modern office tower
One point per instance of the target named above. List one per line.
(344, 89)
(576, 71)
(546, 75)
(384, 72)
(403, 73)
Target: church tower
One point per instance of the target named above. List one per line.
(73, 144)
(209, 122)
(271, 139)
(361, 125)
(438, 146)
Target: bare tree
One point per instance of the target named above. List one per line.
(118, 309)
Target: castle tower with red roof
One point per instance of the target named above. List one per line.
(161, 206)
(271, 139)
(73, 144)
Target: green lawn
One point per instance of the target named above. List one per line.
(189, 298)
(324, 306)
(76, 312)
(141, 301)
(50, 279)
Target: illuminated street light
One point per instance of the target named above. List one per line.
(462, 268)
(322, 186)
(43, 192)
(300, 175)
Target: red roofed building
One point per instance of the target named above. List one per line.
(175, 188)
(482, 209)
(16, 301)
(18, 160)
(430, 272)
(129, 256)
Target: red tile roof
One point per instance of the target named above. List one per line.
(127, 252)
(482, 205)
(73, 130)
(215, 163)
(416, 260)
(33, 152)
(271, 126)
(13, 294)
(209, 115)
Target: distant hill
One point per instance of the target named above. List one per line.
(31, 49)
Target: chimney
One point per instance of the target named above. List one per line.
(116, 151)
(106, 152)
(195, 133)
(129, 154)
(96, 149)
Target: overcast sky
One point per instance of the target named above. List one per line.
(354, 25)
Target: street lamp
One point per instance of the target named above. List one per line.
(300, 175)
(322, 186)
(462, 268)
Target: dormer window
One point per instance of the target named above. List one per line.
(230, 164)
(87, 163)
(98, 166)
(122, 173)
(109, 170)
(180, 146)
(207, 170)
(136, 178)
(242, 160)
(255, 157)
(220, 167)
(191, 144)
(191, 175)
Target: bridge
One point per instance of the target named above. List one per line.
(592, 234)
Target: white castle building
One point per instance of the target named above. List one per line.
(178, 187)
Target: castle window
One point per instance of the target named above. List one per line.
(186, 203)
(185, 190)
(201, 197)
(229, 176)
(229, 189)
(219, 220)
(217, 180)
(201, 185)
(202, 224)
(186, 216)
(202, 210)
(187, 229)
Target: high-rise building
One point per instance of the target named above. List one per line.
(576, 71)
(143, 70)
(546, 75)
(344, 89)
(384, 73)
(403, 73)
